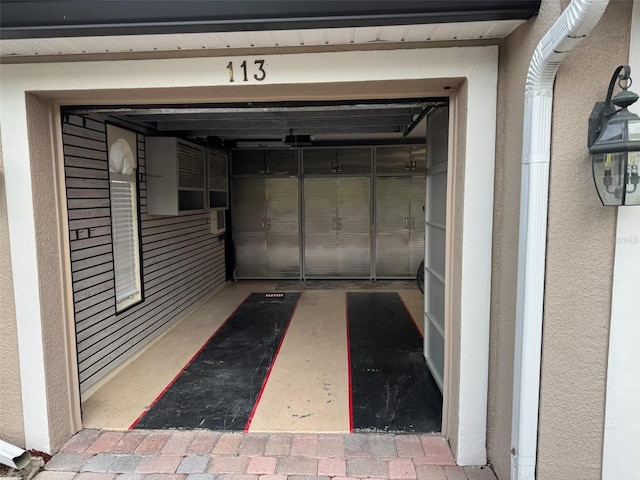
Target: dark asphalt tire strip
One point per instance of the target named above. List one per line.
(391, 387)
(219, 388)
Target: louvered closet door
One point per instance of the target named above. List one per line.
(320, 233)
(354, 227)
(283, 235)
(393, 198)
(249, 227)
(416, 245)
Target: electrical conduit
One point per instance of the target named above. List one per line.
(575, 23)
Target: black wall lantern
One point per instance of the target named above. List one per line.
(614, 143)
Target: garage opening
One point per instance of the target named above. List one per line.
(309, 219)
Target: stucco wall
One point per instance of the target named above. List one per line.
(456, 174)
(46, 217)
(11, 425)
(580, 253)
(515, 55)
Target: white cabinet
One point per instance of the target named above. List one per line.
(218, 185)
(176, 176)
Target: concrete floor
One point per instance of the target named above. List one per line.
(308, 387)
(313, 355)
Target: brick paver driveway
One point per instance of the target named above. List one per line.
(204, 455)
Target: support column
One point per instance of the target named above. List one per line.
(22, 238)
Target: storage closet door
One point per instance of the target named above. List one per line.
(249, 227)
(354, 227)
(418, 185)
(320, 227)
(283, 234)
(393, 196)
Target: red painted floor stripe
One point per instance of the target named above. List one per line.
(346, 303)
(173, 380)
(273, 361)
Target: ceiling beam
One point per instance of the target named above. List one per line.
(338, 123)
(380, 105)
(259, 116)
(257, 132)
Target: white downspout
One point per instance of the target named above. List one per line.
(575, 23)
(13, 456)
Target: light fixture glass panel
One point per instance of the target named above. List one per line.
(609, 175)
(634, 130)
(633, 180)
(613, 132)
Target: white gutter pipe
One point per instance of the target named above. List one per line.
(13, 456)
(575, 23)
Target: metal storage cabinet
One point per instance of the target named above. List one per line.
(265, 213)
(400, 196)
(354, 227)
(249, 228)
(337, 226)
(320, 226)
(416, 247)
(399, 225)
(283, 231)
(393, 200)
(266, 228)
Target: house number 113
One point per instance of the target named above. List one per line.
(260, 76)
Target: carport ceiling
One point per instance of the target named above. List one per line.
(64, 18)
(291, 122)
(36, 28)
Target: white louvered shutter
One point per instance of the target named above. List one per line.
(126, 252)
(190, 166)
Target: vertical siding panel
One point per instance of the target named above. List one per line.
(182, 262)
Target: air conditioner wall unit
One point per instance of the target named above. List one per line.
(218, 223)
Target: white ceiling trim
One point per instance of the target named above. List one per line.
(257, 39)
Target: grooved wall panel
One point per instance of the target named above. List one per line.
(182, 262)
